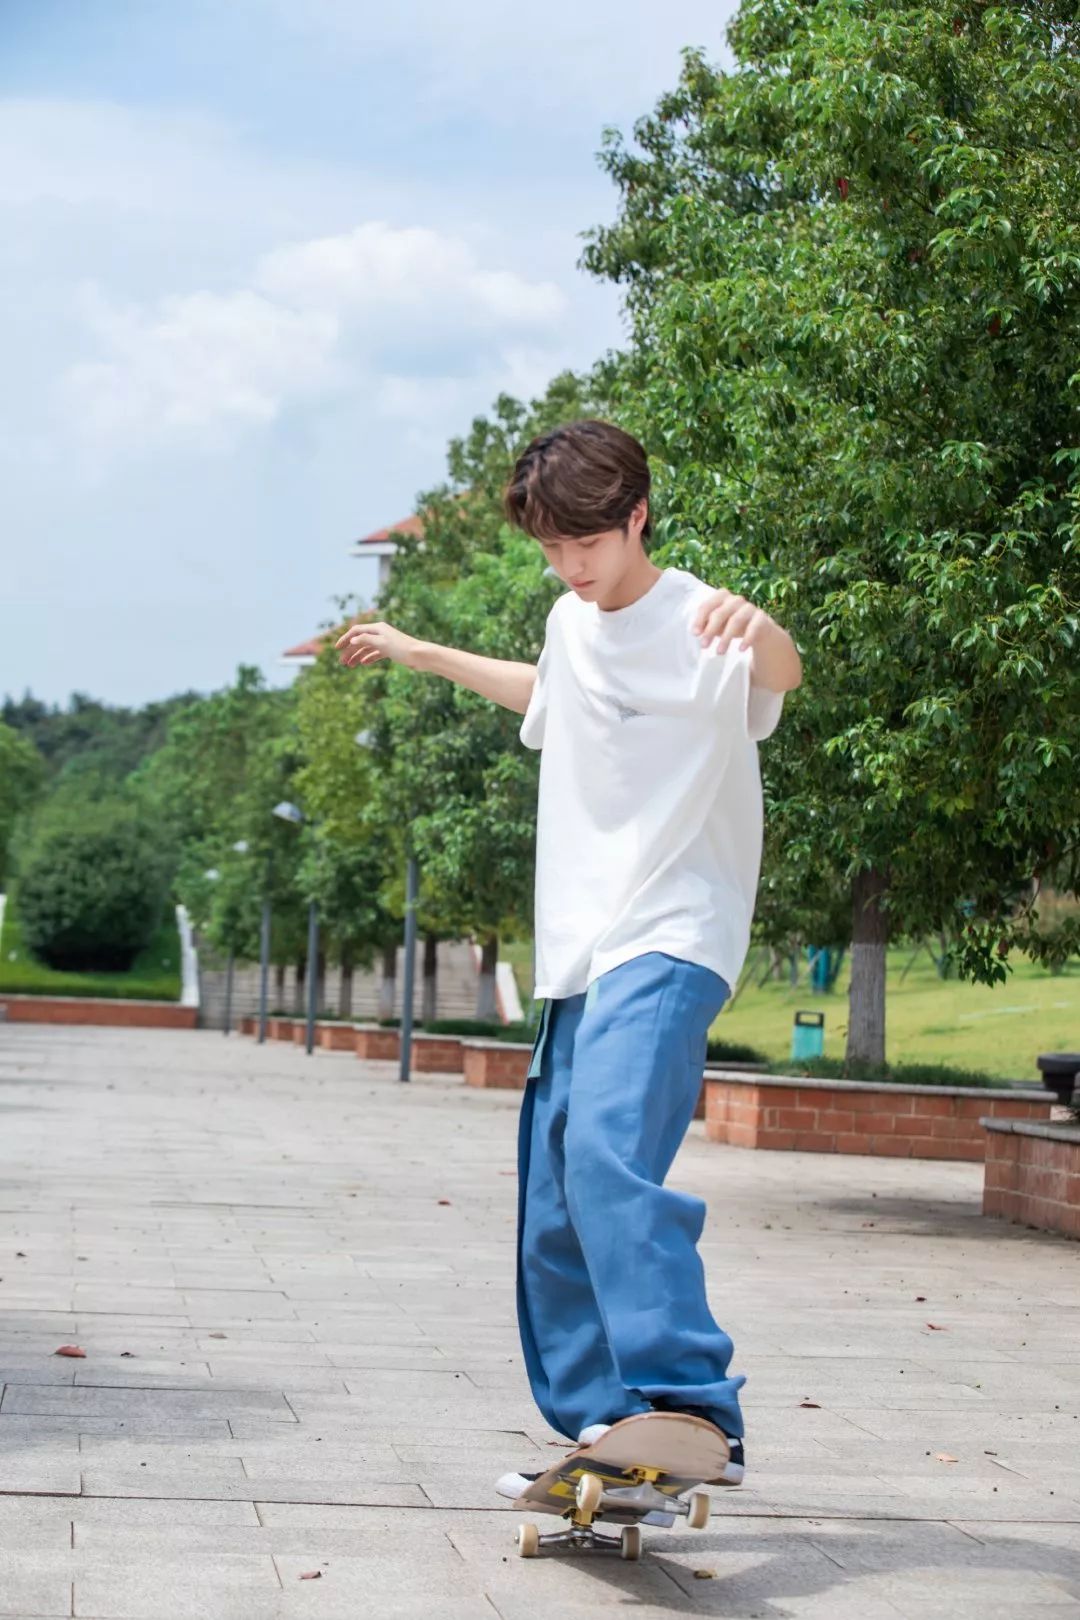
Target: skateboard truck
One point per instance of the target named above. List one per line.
(593, 1498)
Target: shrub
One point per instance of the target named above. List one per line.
(733, 1052)
(900, 1074)
(91, 887)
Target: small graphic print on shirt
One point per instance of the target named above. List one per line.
(625, 713)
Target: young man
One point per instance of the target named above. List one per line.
(651, 693)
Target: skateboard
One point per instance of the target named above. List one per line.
(642, 1465)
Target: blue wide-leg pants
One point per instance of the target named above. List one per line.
(610, 1287)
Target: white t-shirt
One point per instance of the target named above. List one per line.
(650, 816)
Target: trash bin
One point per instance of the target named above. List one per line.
(1061, 1073)
(808, 1035)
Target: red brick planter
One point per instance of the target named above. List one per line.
(437, 1054)
(729, 1068)
(851, 1116)
(88, 1010)
(335, 1037)
(373, 1042)
(503, 1065)
(1033, 1174)
(248, 1026)
(280, 1029)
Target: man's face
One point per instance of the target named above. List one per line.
(595, 565)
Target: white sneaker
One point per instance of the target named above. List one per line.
(514, 1485)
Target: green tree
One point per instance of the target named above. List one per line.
(452, 770)
(227, 760)
(22, 776)
(852, 269)
(91, 886)
(350, 859)
(100, 743)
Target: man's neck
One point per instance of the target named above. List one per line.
(633, 586)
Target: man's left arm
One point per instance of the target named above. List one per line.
(724, 618)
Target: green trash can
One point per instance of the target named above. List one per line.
(808, 1035)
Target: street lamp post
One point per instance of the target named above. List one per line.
(264, 953)
(412, 887)
(364, 739)
(239, 848)
(293, 813)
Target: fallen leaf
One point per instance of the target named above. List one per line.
(20, 1254)
(943, 1456)
(868, 1223)
(816, 1405)
(935, 1327)
(127, 1352)
(444, 1200)
(312, 1575)
(920, 1299)
(69, 1350)
(217, 1335)
(704, 1574)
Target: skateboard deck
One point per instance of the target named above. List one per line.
(641, 1465)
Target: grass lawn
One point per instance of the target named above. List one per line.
(1000, 1030)
(154, 975)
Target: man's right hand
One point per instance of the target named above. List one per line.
(367, 643)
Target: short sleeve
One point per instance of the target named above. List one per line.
(763, 710)
(534, 723)
(725, 688)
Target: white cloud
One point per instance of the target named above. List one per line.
(326, 315)
(193, 362)
(378, 268)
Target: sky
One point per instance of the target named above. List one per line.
(261, 261)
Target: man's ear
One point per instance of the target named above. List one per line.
(638, 518)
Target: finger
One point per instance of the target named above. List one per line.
(719, 617)
(705, 610)
(735, 626)
(752, 634)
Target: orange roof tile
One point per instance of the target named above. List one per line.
(409, 525)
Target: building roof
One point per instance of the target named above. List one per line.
(410, 525)
(382, 541)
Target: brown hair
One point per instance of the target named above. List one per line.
(577, 480)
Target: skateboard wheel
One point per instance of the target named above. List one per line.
(528, 1540)
(589, 1493)
(630, 1542)
(700, 1506)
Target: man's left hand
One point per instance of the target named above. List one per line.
(723, 616)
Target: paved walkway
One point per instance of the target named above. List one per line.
(293, 1280)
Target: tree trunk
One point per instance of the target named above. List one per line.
(320, 984)
(866, 997)
(345, 990)
(429, 1008)
(299, 1004)
(487, 1006)
(278, 1004)
(388, 982)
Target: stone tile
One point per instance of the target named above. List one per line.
(328, 1420)
(218, 1586)
(31, 1583)
(138, 1404)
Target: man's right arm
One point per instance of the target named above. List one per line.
(499, 679)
